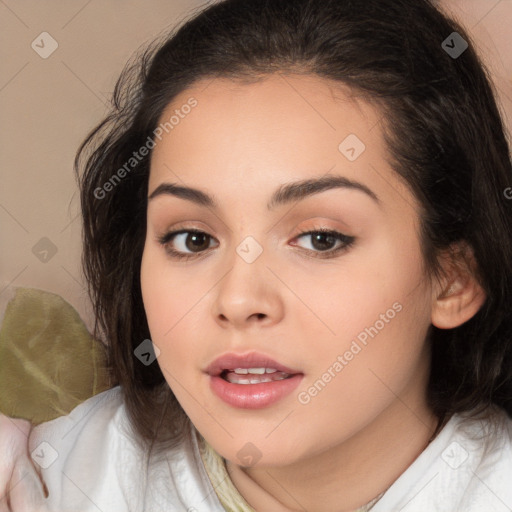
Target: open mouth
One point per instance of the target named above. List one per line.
(253, 375)
(252, 380)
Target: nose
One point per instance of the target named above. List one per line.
(248, 294)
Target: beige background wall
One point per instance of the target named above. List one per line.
(48, 105)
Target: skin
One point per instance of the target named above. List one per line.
(494, 51)
(21, 485)
(369, 423)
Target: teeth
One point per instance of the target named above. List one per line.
(234, 378)
(256, 371)
(254, 381)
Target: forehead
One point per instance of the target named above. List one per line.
(240, 140)
(276, 118)
(274, 101)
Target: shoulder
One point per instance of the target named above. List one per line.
(101, 408)
(491, 482)
(91, 458)
(99, 420)
(482, 461)
(487, 441)
(75, 451)
(468, 467)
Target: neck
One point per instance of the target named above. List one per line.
(349, 475)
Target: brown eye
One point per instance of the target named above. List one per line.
(185, 243)
(324, 241)
(197, 241)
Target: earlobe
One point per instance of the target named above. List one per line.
(461, 299)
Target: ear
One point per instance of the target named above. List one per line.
(459, 296)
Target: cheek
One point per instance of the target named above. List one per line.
(160, 304)
(346, 297)
(164, 296)
(173, 307)
(375, 313)
(155, 302)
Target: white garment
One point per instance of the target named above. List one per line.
(94, 465)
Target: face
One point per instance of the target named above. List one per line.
(325, 281)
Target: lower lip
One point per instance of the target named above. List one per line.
(253, 396)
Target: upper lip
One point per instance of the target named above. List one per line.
(232, 360)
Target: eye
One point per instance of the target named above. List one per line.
(191, 240)
(189, 243)
(323, 241)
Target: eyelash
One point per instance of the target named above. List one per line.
(347, 242)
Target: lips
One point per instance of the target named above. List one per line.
(230, 362)
(258, 382)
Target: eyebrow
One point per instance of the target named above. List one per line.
(285, 193)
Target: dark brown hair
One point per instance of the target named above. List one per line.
(442, 128)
